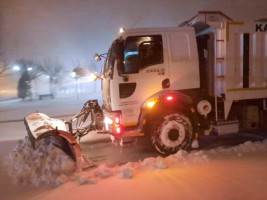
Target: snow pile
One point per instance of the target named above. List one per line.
(181, 158)
(103, 172)
(46, 165)
(240, 150)
(128, 170)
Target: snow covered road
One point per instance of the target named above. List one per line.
(239, 178)
(237, 172)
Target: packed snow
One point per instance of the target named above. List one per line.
(44, 165)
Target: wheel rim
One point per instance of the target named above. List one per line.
(173, 134)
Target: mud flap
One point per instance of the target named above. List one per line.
(39, 126)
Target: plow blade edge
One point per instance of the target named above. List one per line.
(41, 127)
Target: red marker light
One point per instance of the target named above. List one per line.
(169, 98)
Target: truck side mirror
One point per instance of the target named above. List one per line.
(97, 57)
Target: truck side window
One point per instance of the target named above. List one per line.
(150, 53)
(109, 63)
(106, 66)
(141, 52)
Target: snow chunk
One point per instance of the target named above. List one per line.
(154, 163)
(103, 172)
(86, 181)
(126, 173)
(160, 164)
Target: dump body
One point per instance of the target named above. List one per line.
(236, 57)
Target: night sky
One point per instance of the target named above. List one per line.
(73, 30)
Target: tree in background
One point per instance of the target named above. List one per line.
(53, 69)
(24, 85)
(29, 69)
(31, 66)
(4, 68)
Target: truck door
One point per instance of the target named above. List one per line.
(183, 59)
(145, 73)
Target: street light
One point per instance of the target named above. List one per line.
(16, 68)
(73, 75)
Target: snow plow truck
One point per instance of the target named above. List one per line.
(206, 76)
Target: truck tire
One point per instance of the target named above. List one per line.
(173, 132)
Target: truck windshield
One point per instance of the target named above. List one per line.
(142, 51)
(114, 53)
(138, 52)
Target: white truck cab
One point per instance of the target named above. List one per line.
(154, 60)
(207, 75)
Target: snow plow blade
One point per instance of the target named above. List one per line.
(41, 127)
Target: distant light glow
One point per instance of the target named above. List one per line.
(16, 68)
(29, 69)
(73, 74)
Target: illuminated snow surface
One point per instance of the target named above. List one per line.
(48, 165)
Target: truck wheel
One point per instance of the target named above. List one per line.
(174, 132)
